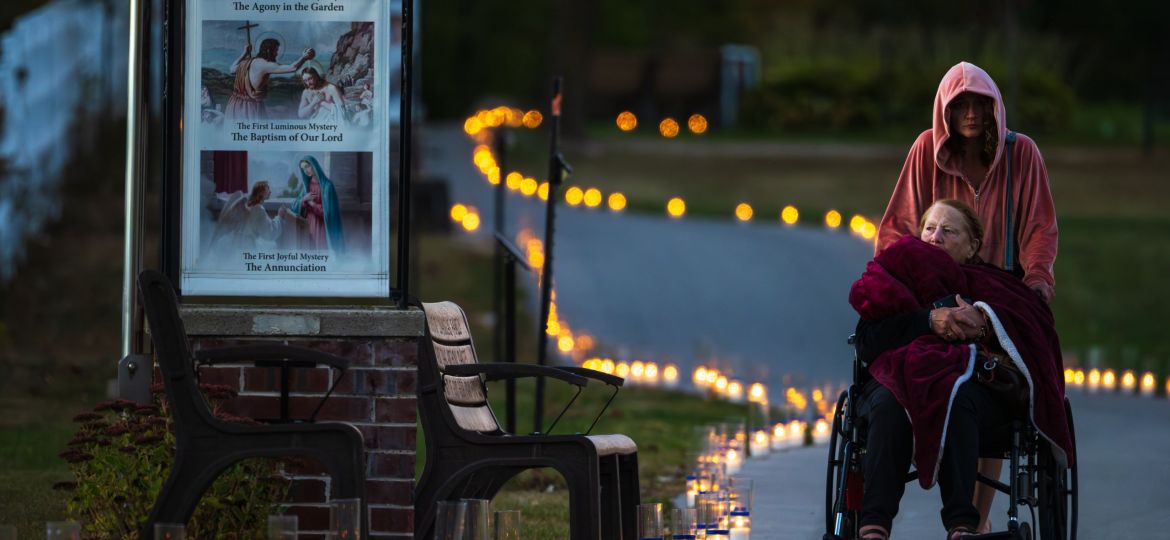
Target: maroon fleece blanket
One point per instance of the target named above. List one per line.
(925, 374)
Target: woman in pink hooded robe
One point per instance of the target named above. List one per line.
(970, 155)
(965, 156)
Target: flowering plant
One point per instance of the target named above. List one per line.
(122, 454)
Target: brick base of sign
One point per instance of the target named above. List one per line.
(377, 394)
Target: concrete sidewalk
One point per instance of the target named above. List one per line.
(1124, 474)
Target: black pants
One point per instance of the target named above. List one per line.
(975, 416)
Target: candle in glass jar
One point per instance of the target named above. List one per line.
(740, 525)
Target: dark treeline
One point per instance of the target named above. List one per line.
(878, 59)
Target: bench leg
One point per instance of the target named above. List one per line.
(631, 495)
(611, 504)
(584, 501)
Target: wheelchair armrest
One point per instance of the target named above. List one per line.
(497, 371)
(612, 380)
(271, 356)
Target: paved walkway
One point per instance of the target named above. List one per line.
(1124, 474)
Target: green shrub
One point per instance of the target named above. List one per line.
(121, 456)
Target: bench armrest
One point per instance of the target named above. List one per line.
(271, 356)
(612, 380)
(501, 371)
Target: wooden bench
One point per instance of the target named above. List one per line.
(206, 445)
(468, 455)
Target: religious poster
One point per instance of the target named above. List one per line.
(286, 184)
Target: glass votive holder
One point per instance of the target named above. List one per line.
(62, 530)
(450, 520)
(739, 526)
(708, 510)
(650, 521)
(507, 525)
(345, 519)
(170, 531)
(683, 522)
(282, 527)
(477, 519)
(741, 490)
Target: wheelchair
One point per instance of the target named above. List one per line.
(1047, 489)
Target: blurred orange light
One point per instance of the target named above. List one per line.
(622, 370)
(584, 342)
(868, 231)
(856, 223)
(676, 207)
(472, 126)
(592, 197)
(670, 373)
(565, 344)
(743, 212)
(700, 375)
(574, 196)
(493, 176)
(1109, 379)
(756, 392)
(668, 128)
(789, 215)
(532, 119)
(513, 180)
(617, 202)
(1148, 383)
(626, 121)
(637, 369)
(697, 124)
(515, 118)
(542, 191)
(471, 221)
(607, 366)
(832, 219)
(458, 211)
(528, 186)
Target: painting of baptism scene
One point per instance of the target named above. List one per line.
(287, 70)
(268, 202)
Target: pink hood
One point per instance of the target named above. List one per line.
(964, 77)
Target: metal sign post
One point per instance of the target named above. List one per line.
(557, 170)
(133, 381)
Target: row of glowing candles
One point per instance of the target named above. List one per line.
(1098, 380)
(479, 125)
(715, 490)
(721, 500)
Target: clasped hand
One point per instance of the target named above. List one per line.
(963, 323)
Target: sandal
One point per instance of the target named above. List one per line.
(960, 532)
(874, 532)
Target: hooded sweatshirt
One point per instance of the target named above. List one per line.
(932, 172)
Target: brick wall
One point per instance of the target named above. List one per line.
(376, 394)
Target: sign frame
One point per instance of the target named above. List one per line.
(389, 238)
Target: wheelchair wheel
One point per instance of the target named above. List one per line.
(1057, 495)
(841, 488)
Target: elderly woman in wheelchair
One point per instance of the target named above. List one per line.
(951, 352)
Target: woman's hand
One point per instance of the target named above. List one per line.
(1044, 290)
(962, 323)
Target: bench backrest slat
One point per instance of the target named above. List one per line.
(451, 340)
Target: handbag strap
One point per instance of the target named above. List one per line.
(1009, 254)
